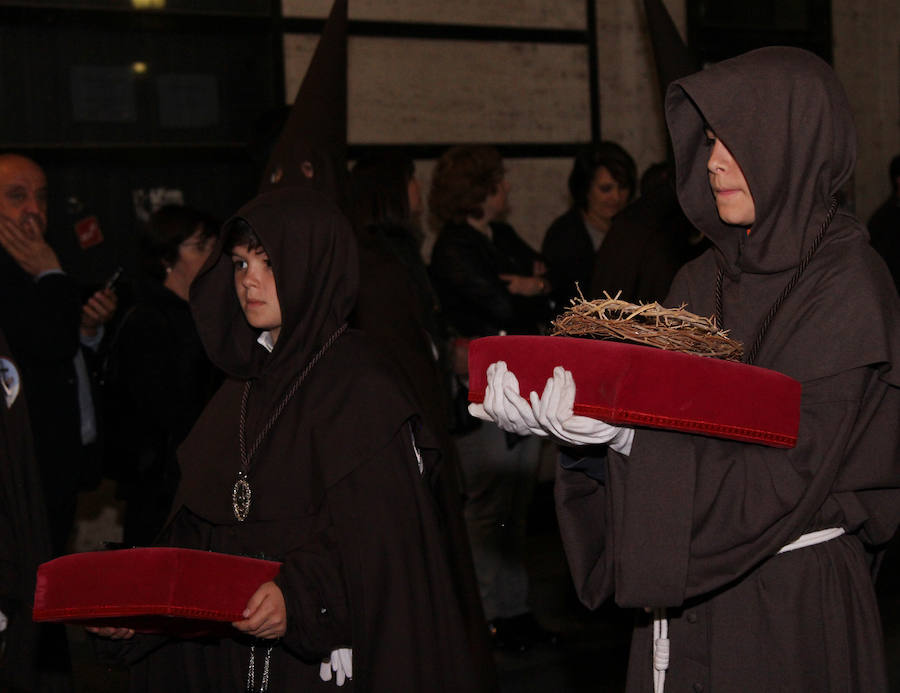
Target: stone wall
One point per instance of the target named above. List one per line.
(867, 61)
(436, 91)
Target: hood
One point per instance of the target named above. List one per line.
(312, 147)
(314, 260)
(773, 108)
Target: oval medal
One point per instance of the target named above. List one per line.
(240, 499)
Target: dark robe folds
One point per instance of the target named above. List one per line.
(33, 656)
(695, 524)
(337, 493)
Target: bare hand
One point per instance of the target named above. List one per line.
(98, 310)
(523, 286)
(111, 632)
(26, 245)
(266, 614)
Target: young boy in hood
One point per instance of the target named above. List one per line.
(309, 454)
(751, 566)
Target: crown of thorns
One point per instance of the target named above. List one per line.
(673, 329)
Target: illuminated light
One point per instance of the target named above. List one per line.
(139, 68)
(148, 4)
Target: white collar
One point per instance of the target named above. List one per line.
(265, 338)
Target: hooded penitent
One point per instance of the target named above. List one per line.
(337, 493)
(784, 117)
(695, 523)
(312, 147)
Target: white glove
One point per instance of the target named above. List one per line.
(504, 406)
(3, 622)
(341, 663)
(553, 411)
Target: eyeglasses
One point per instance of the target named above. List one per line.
(199, 243)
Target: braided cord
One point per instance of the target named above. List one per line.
(801, 268)
(247, 456)
(720, 310)
(804, 263)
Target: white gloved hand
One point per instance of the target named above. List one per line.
(503, 404)
(341, 663)
(554, 412)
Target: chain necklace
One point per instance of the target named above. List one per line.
(241, 493)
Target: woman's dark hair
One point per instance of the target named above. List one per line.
(462, 180)
(239, 232)
(378, 190)
(167, 229)
(608, 155)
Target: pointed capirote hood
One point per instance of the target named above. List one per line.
(314, 261)
(312, 147)
(673, 58)
(785, 118)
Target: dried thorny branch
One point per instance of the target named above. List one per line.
(673, 329)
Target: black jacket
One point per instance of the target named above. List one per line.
(41, 321)
(465, 268)
(570, 256)
(159, 379)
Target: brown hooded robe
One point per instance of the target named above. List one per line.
(694, 523)
(337, 492)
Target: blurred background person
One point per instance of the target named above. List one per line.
(647, 243)
(603, 180)
(158, 375)
(884, 224)
(490, 282)
(46, 326)
(397, 303)
(398, 308)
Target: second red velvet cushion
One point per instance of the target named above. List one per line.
(149, 589)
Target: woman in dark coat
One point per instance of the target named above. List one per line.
(490, 281)
(759, 560)
(158, 376)
(603, 180)
(397, 305)
(310, 454)
(398, 309)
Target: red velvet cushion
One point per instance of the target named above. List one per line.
(149, 589)
(638, 385)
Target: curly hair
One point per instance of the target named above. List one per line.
(462, 180)
(608, 155)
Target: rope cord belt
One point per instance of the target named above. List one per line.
(661, 623)
(812, 538)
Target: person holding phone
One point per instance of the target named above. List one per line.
(158, 376)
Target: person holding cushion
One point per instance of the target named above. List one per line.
(310, 454)
(751, 566)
